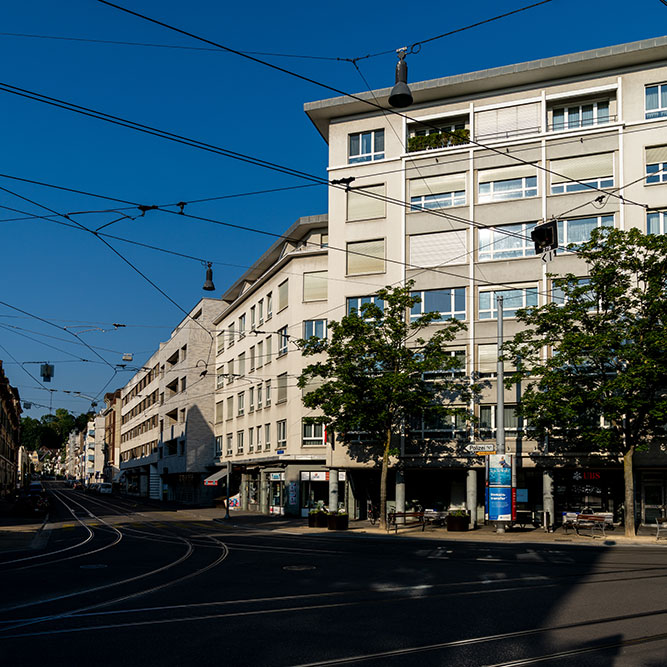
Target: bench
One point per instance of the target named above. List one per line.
(416, 519)
(591, 521)
(660, 527)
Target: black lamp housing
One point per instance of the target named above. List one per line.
(208, 283)
(545, 237)
(401, 96)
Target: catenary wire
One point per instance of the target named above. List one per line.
(340, 92)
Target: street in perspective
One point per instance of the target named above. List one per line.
(333, 336)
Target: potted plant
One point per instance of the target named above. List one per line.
(317, 516)
(338, 520)
(458, 520)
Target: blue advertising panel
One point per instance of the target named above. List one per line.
(500, 503)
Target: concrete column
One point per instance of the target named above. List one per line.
(263, 493)
(333, 489)
(548, 499)
(244, 491)
(400, 492)
(471, 496)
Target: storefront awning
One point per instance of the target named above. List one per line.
(119, 476)
(215, 477)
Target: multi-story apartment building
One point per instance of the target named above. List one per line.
(580, 138)
(93, 452)
(112, 417)
(166, 431)
(283, 464)
(10, 423)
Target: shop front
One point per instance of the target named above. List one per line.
(653, 496)
(315, 489)
(276, 493)
(589, 490)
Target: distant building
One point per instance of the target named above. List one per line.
(112, 422)
(10, 424)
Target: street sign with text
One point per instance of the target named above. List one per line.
(481, 450)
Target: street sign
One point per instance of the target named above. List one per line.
(481, 450)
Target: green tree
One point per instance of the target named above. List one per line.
(603, 385)
(52, 430)
(371, 378)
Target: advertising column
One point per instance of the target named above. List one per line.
(501, 482)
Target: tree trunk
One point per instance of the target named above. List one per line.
(629, 510)
(383, 481)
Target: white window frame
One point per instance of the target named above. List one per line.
(376, 152)
(283, 341)
(267, 437)
(260, 353)
(512, 431)
(230, 444)
(239, 442)
(358, 250)
(568, 109)
(217, 452)
(260, 388)
(310, 437)
(269, 305)
(491, 313)
(314, 325)
(658, 219)
(242, 326)
(260, 311)
(251, 440)
(267, 393)
(564, 225)
(452, 313)
(490, 238)
(281, 434)
(259, 438)
(523, 190)
(661, 110)
(240, 404)
(251, 399)
(231, 330)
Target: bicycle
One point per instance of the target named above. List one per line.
(372, 512)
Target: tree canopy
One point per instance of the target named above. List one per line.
(374, 374)
(51, 430)
(602, 385)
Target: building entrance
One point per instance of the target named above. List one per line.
(654, 492)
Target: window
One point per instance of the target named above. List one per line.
(239, 442)
(269, 305)
(656, 164)
(253, 316)
(231, 334)
(487, 420)
(438, 192)
(219, 410)
(508, 121)
(183, 383)
(505, 242)
(242, 326)
(283, 295)
(267, 392)
(268, 350)
(317, 328)
(252, 358)
(656, 101)
(219, 377)
(258, 430)
(251, 440)
(591, 171)
(218, 446)
(241, 371)
(656, 223)
(281, 395)
(251, 399)
(507, 183)
(433, 426)
(260, 311)
(260, 354)
(315, 285)
(240, 404)
(267, 437)
(450, 303)
(579, 230)
(513, 300)
(281, 434)
(558, 294)
(314, 435)
(283, 338)
(259, 396)
(365, 257)
(354, 304)
(439, 249)
(220, 342)
(366, 203)
(366, 146)
(580, 115)
(324, 241)
(230, 407)
(230, 444)
(440, 135)
(230, 371)
(487, 361)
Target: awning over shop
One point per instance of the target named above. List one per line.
(119, 476)
(215, 477)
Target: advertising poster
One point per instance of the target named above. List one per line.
(500, 470)
(500, 504)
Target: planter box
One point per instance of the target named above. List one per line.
(338, 521)
(457, 523)
(317, 520)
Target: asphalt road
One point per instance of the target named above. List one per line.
(121, 584)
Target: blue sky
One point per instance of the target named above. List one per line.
(71, 279)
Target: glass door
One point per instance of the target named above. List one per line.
(653, 499)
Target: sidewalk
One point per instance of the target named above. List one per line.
(20, 534)
(295, 525)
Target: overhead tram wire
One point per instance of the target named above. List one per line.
(127, 261)
(344, 93)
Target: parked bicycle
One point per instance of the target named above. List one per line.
(372, 512)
